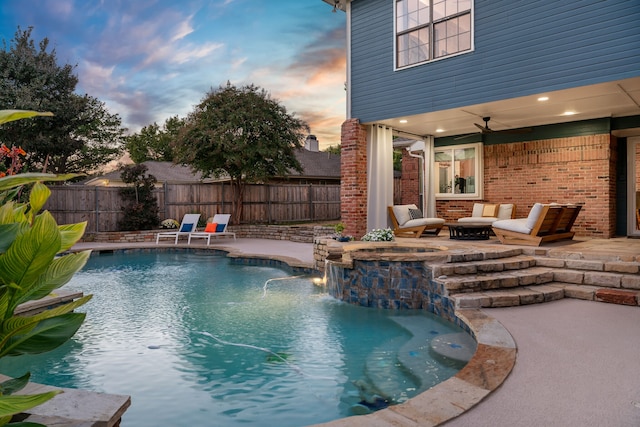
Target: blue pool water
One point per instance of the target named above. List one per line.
(199, 341)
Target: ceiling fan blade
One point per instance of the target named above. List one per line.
(465, 136)
(520, 130)
(482, 128)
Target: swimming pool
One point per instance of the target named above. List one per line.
(196, 339)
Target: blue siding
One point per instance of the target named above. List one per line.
(521, 48)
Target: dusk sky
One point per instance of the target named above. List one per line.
(152, 59)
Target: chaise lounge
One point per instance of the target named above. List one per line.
(408, 221)
(217, 227)
(189, 224)
(545, 223)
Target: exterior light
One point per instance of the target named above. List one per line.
(543, 98)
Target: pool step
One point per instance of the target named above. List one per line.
(529, 279)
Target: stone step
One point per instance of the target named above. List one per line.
(485, 266)
(495, 280)
(544, 293)
(628, 268)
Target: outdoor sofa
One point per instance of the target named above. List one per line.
(488, 213)
(545, 223)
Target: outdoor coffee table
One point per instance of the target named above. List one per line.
(469, 230)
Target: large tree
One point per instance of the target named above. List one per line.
(241, 133)
(154, 142)
(81, 136)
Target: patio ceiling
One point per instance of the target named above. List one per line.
(613, 99)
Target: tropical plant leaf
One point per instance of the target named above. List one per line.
(10, 405)
(70, 234)
(38, 196)
(47, 335)
(59, 272)
(13, 181)
(30, 254)
(8, 233)
(13, 385)
(19, 322)
(11, 115)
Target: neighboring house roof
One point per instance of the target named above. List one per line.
(162, 171)
(315, 164)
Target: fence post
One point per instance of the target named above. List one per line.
(97, 207)
(268, 203)
(312, 213)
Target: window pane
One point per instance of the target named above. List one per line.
(465, 161)
(438, 10)
(444, 171)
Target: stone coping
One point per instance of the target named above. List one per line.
(75, 408)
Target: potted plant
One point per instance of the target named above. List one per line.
(339, 228)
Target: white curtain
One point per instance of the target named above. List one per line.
(379, 175)
(429, 191)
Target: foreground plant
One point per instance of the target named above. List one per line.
(378, 235)
(31, 267)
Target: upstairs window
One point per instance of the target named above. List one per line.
(427, 30)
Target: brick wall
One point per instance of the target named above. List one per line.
(410, 179)
(578, 170)
(353, 186)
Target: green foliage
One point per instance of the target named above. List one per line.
(153, 142)
(241, 133)
(141, 206)
(32, 265)
(81, 136)
(333, 149)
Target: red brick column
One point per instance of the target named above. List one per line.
(353, 185)
(410, 179)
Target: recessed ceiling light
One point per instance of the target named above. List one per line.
(569, 113)
(403, 121)
(439, 130)
(543, 98)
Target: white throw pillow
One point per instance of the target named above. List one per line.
(402, 213)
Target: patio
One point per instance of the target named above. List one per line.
(573, 357)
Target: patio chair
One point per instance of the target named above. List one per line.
(216, 228)
(189, 224)
(408, 222)
(545, 223)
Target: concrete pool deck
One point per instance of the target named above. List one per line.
(576, 363)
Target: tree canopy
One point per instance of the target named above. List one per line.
(154, 142)
(241, 133)
(81, 136)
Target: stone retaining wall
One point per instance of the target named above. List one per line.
(294, 233)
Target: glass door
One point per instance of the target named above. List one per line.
(633, 193)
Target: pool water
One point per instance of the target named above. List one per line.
(198, 340)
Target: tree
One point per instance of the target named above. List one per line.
(333, 149)
(242, 133)
(81, 136)
(153, 142)
(141, 208)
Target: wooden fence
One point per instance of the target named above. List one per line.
(101, 207)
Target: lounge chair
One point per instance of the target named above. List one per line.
(545, 223)
(216, 228)
(488, 213)
(408, 222)
(189, 224)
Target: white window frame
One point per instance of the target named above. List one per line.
(431, 30)
(478, 184)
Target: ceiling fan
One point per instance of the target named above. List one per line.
(486, 129)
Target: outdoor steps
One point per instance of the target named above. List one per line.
(529, 279)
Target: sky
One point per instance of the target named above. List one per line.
(149, 60)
